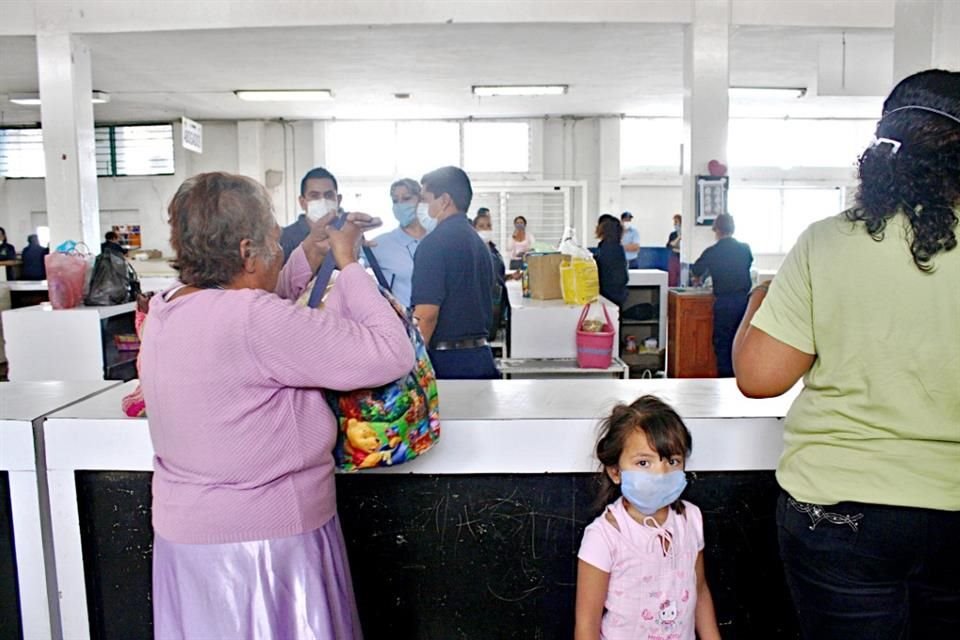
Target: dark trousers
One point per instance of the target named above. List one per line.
(728, 310)
(871, 572)
(464, 364)
(633, 263)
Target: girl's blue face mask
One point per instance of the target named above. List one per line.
(649, 492)
(405, 213)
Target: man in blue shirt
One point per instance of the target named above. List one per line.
(318, 196)
(395, 249)
(452, 280)
(630, 241)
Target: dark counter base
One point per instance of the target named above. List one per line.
(451, 557)
(10, 622)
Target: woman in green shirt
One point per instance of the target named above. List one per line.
(866, 309)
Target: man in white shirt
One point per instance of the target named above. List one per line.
(630, 241)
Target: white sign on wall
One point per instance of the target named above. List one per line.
(192, 135)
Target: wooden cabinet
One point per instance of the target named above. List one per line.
(690, 340)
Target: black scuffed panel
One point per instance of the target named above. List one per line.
(10, 622)
(117, 541)
(460, 557)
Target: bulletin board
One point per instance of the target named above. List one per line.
(711, 198)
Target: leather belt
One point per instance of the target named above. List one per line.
(466, 343)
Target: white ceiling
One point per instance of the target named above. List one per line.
(633, 69)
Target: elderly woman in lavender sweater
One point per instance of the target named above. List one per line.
(247, 543)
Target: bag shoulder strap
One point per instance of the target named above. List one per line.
(325, 272)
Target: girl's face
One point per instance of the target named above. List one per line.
(638, 455)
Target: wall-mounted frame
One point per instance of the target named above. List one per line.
(711, 198)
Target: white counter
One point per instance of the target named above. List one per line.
(43, 343)
(23, 406)
(547, 328)
(488, 427)
(653, 278)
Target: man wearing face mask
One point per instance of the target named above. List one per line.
(395, 249)
(630, 241)
(318, 196)
(452, 280)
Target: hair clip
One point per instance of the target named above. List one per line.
(894, 144)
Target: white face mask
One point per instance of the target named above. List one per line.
(423, 214)
(485, 234)
(316, 209)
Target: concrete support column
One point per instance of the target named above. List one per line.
(608, 167)
(250, 149)
(913, 36)
(73, 207)
(706, 73)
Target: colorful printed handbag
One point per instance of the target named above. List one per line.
(391, 424)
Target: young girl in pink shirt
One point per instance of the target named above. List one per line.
(640, 574)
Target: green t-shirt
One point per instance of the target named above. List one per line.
(878, 420)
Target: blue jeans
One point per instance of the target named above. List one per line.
(871, 572)
(464, 364)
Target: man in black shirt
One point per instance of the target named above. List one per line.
(318, 196)
(728, 263)
(452, 280)
(112, 243)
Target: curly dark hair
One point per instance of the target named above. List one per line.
(921, 177)
(210, 215)
(649, 415)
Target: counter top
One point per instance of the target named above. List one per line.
(692, 291)
(641, 277)
(31, 400)
(104, 312)
(25, 285)
(517, 301)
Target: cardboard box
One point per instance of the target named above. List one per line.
(543, 271)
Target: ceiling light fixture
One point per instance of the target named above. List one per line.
(33, 99)
(520, 90)
(292, 95)
(767, 92)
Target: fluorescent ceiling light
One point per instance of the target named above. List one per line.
(520, 90)
(285, 96)
(767, 92)
(33, 99)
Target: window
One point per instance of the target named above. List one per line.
(770, 219)
(21, 153)
(425, 146)
(496, 147)
(361, 148)
(650, 145)
(756, 142)
(121, 150)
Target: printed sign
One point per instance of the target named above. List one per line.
(192, 135)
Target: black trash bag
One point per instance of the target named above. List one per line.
(641, 311)
(114, 281)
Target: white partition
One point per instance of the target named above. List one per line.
(23, 406)
(488, 426)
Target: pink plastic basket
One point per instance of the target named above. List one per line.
(594, 348)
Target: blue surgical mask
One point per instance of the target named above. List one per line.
(405, 213)
(649, 492)
(423, 214)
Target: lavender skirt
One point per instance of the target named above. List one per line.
(295, 588)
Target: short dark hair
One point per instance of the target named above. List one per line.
(610, 228)
(483, 211)
(625, 215)
(210, 215)
(111, 236)
(452, 181)
(317, 173)
(724, 224)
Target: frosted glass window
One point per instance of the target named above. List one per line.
(756, 142)
(757, 214)
(650, 144)
(496, 147)
(370, 198)
(21, 153)
(361, 148)
(425, 146)
(802, 207)
(140, 150)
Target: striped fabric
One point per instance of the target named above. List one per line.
(233, 378)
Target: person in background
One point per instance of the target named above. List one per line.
(112, 243)
(673, 260)
(247, 541)
(611, 263)
(318, 197)
(865, 310)
(34, 267)
(630, 241)
(519, 243)
(452, 282)
(7, 252)
(728, 264)
(395, 249)
(484, 226)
